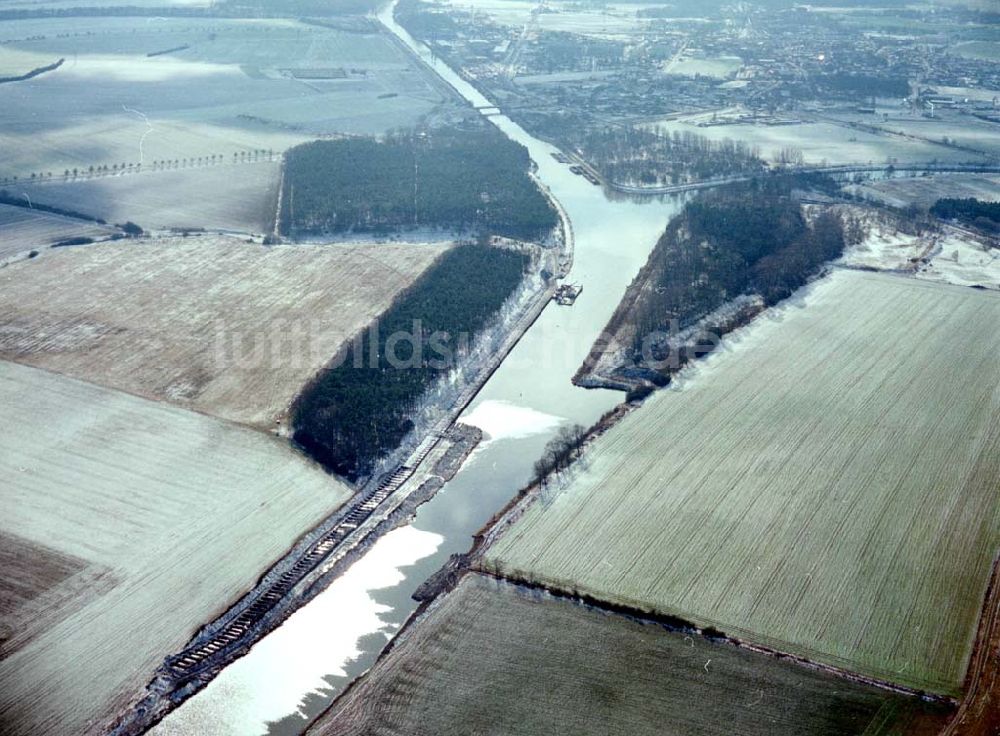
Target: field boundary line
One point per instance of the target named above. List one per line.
(680, 624)
(985, 655)
(276, 230)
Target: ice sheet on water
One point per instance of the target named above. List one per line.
(318, 640)
(501, 420)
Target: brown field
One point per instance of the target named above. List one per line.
(212, 323)
(495, 658)
(113, 503)
(824, 484)
(29, 570)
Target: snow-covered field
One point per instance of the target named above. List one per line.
(23, 229)
(961, 130)
(926, 190)
(947, 255)
(227, 86)
(236, 197)
(611, 20)
(960, 260)
(167, 515)
(500, 659)
(718, 67)
(884, 250)
(822, 142)
(213, 323)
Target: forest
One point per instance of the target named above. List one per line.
(449, 179)
(748, 239)
(984, 215)
(414, 15)
(359, 408)
(635, 155)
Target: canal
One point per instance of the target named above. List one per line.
(295, 672)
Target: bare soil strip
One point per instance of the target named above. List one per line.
(979, 712)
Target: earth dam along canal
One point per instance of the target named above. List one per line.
(290, 676)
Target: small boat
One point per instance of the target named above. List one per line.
(566, 294)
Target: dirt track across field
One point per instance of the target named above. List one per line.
(979, 713)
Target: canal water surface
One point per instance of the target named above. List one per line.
(295, 672)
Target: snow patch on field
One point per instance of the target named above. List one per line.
(947, 255)
(128, 68)
(884, 250)
(962, 261)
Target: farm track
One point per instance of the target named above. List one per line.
(276, 230)
(979, 712)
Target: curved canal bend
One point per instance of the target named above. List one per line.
(294, 673)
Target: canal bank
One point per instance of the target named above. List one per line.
(292, 674)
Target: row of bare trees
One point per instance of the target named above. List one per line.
(560, 452)
(239, 157)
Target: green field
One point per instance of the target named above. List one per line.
(825, 484)
(493, 658)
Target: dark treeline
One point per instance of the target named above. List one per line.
(172, 50)
(33, 73)
(729, 243)
(975, 212)
(748, 239)
(7, 197)
(414, 15)
(651, 157)
(359, 409)
(560, 452)
(450, 179)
